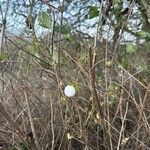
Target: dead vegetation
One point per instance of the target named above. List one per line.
(109, 111)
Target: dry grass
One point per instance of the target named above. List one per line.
(35, 114)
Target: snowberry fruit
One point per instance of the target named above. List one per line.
(70, 91)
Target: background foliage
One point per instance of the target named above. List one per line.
(100, 47)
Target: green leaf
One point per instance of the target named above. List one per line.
(69, 37)
(34, 49)
(93, 12)
(130, 48)
(64, 29)
(117, 1)
(45, 20)
(4, 56)
(144, 34)
(55, 57)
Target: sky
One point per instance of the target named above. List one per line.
(17, 26)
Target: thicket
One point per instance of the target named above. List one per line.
(102, 48)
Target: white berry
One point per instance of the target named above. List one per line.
(70, 91)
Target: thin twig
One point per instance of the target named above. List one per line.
(32, 122)
(52, 123)
(4, 21)
(122, 126)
